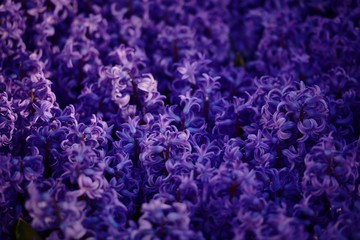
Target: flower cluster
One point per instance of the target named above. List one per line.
(184, 119)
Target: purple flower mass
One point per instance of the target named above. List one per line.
(183, 119)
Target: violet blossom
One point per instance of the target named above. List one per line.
(179, 119)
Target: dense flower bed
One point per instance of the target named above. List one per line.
(184, 119)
